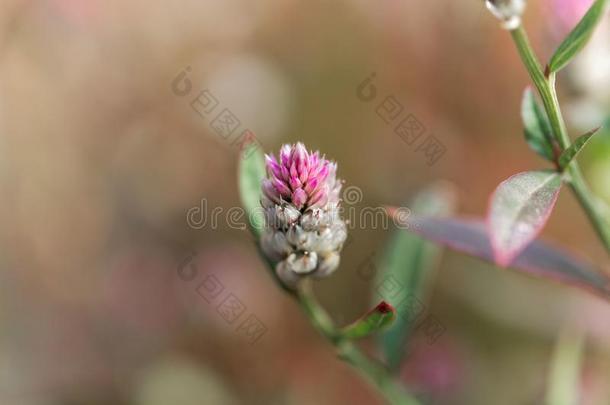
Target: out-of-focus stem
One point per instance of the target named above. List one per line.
(375, 373)
(565, 370)
(546, 88)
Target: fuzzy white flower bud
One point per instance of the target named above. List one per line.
(328, 262)
(302, 263)
(275, 245)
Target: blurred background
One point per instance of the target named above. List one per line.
(109, 136)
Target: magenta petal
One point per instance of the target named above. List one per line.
(311, 185)
(303, 170)
(281, 188)
(301, 177)
(285, 155)
(321, 202)
(319, 197)
(293, 171)
(313, 161)
(323, 173)
(295, 183)
(273, 168)
(299, 197)
(270, 191)
(269, 159)
(300, 154)
(285, 173)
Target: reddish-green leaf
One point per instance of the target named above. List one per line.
(537, 259)
(373, 321)
(518, 210)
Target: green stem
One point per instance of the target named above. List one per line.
(375, 373)
(563, 381)
(548, 94)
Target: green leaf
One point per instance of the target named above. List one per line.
(578, 38)
(518, 210)
(570, 153)
(410, 261)
(373, 321)
(536, 125)
(251, 172)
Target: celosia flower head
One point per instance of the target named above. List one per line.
(301, 178)
(304, 232)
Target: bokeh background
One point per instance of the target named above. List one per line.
(101, 158)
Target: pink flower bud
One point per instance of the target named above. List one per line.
(301, 178)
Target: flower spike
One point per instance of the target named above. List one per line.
(304, 233)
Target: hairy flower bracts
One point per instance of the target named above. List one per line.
(304, 232)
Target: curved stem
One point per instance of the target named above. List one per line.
(546, 88)
(376, 374)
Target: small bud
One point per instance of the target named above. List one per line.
(316, 218)
(373, 321)
(288, 277)
(281, 216)
(509, 11)
(275, 245)
(327, 264)
(300, 239)
(302, 263)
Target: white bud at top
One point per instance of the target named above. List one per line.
(509, 11)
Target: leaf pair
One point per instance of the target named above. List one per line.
(539, 135)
